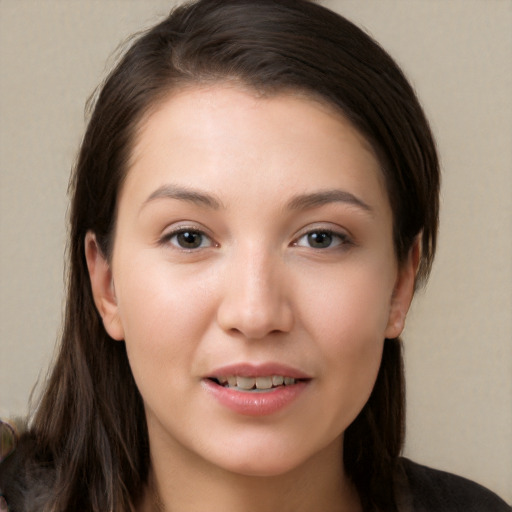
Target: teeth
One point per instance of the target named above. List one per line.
(245, 382)
(277, 380)
(248, 383)
(263, 382)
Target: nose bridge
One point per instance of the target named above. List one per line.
(255, 302)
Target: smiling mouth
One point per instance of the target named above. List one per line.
(254, 384)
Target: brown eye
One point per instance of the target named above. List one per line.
(189, 239)
(322, 239)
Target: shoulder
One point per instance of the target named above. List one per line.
(431, 490)
(26, 477)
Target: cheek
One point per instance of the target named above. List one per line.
(352, 306)
(352, 340)
(164, 316)
(348, 322)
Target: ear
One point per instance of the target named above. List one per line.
(403, 292)
(102, 285)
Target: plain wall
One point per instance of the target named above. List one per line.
(458, 55)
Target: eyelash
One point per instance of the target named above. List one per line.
(168, 238)
(342, 239)
(337, 239)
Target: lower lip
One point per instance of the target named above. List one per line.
(253, 403)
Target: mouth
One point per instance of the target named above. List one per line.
(256, 389)
(254, 384)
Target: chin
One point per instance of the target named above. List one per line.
(262, 468)
(261, 462)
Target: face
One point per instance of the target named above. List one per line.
(253, 277)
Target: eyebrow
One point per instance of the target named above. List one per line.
(315, 199)
(184, 194)
(299, 202)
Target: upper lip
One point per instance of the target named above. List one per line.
(258, 370)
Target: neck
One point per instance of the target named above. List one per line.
(320, 483)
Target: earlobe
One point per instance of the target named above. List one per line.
(403, 292)
(102, 285)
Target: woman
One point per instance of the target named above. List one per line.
(254, 202)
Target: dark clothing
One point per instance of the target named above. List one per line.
(26, 484)
(431, 490)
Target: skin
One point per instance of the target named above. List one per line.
(254, 290)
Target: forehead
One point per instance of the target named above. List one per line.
(287, 141)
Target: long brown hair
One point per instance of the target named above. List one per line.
(90, 423)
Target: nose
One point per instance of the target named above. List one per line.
(255, 301)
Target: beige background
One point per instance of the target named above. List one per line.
(458, 54)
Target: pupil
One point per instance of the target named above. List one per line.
(320, 240)
(189, 240)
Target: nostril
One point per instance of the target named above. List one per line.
(254, 315)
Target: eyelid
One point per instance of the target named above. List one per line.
(341, 234)
(177, 228)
